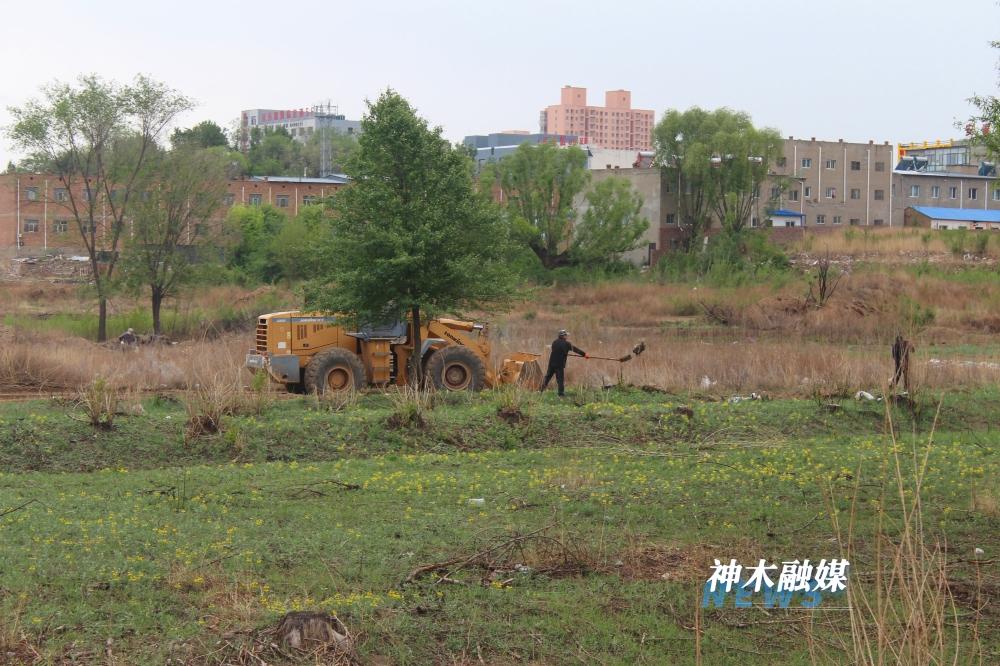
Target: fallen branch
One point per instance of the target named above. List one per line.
(17, 508)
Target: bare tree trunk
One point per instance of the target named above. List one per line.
(156, 298)
(417, 361)
(102, 318)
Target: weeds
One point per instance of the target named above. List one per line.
(410, 406)
(908, 613)
(99, 402)
(513, 402)
(220, 395)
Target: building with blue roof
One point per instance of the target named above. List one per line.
(936, 217)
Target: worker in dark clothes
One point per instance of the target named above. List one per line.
(561, 348)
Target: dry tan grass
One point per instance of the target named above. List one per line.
(774, 343)
(48, 361)
(885, 243)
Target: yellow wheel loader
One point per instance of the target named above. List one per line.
(315, 353)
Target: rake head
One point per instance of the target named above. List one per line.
(638, 349)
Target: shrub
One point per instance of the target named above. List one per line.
(981, 243)
(410, 405)
(99, 401)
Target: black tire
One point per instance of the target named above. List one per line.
(456, 368)
(334, 370)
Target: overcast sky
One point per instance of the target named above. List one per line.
(888, 70)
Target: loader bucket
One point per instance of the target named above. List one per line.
(521, 368)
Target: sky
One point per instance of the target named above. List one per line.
(886, 70)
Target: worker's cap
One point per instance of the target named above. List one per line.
(563, 333)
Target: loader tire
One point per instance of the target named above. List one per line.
(333, 371)
(456, 369)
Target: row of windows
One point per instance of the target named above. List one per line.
(837, 219)
(58, 226)
(280, 200)
(820, 219)
(829, 193)
(807, 163)
(973, 192)
(61, 194)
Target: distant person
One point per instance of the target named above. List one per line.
(561, 347)
(128, 338)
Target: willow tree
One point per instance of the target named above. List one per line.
(538, 184)
(96, 137)
(411, 233)
(715, 162)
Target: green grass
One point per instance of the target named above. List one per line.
(164, 547)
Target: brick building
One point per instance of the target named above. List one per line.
(35, 218)
(615, 125)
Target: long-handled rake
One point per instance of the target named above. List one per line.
(637, 350)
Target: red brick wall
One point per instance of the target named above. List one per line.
(18, 212)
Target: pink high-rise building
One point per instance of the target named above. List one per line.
(615, 125)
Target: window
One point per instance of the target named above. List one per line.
(855, 165)
(60, 227)
(831, 193)
(793, 195)
(775, 192)
(31, 194)
(821, 219)
(996, 194)
(935, 191)
(854, 221)
(281, 201)
(879, 195)
(60, 194)
(855, 193)
(973, 193)
(880, 166)
(808, 191)
(115, 195)
(952, 192)
(229, 199)
(914, 190)
(878, 222)
(671, 218)
(86, 195)
(837, 219)
(807, 163)
(255, 199)
(831, 164)
(30, 226)
(309, 200)
(781, 162)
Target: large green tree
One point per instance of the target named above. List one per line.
(411, 233)
(611, 225)
(273, 152)
(250, 234)
(538, 185)
(171, 221)
(714, 162)
(205, 134)
(326, 151)
(96, 136)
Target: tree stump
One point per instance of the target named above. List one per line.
(901, 350)
(308, 630)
